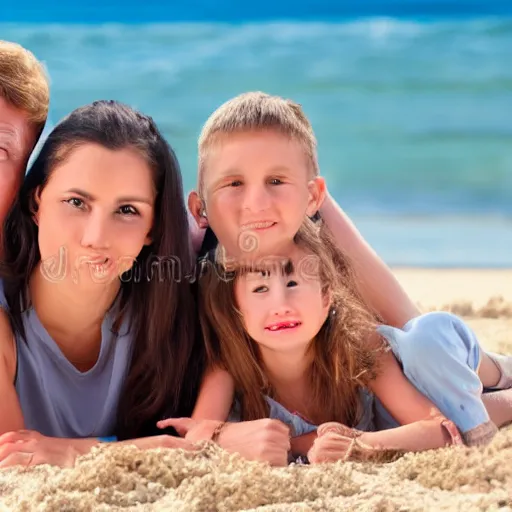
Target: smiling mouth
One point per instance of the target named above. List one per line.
(99, 261)
(256, 226)
(100, 266)
(281, 326)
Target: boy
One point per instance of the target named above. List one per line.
(258, 176)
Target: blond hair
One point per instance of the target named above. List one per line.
(345, 351)
(256, 111)
(23, 82)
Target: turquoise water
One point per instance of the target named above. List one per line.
(413, 118)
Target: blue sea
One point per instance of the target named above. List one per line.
(411, 102)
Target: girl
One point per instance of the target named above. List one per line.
(300, 346)
(94, 342)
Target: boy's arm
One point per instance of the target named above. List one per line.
(378, 286)
(423, 426)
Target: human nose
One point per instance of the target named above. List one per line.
(256, 198)
(281, 305)
(96, 232)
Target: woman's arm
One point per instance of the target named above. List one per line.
(30, 448)
(27, 447)
(378, 286)
(11, 417)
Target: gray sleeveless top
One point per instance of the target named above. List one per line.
(58, 400)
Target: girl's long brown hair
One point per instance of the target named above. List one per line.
(345, 351)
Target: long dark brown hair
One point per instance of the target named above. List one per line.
(345, 351)
(163, 376)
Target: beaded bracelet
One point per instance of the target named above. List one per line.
(217, 431)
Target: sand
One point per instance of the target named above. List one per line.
(124, 478)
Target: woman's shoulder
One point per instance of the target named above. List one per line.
(3, 299)
(7, 340)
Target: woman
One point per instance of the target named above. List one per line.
(98, 329)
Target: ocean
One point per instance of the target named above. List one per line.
(413, 113)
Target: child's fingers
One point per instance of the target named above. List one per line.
(337, 428)
(182, 425)
(330, 447)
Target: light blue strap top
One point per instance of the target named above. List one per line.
(374, 416)
(58, 400)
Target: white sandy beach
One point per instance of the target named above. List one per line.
(170, 480)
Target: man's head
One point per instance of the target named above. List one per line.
(258, 173)
(24, 104)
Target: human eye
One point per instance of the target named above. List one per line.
(260, 289)
(128, 210)
(275, 181)
(75, 202)
(292, 283)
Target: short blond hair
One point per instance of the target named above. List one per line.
(23, 82)
(257, 111)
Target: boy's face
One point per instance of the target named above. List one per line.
(17, 139)
(257, 189)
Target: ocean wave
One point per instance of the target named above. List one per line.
(401, 108)
(381, 26)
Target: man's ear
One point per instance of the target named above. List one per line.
(317, 192)
(197, 209)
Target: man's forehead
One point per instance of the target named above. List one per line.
(13, 117)
(16, 139)
(16, 130)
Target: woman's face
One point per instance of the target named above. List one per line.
(95, 215)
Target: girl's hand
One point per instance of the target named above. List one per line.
(334, 441)
(338, 442)
(264, 440)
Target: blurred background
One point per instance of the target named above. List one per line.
(411, 100)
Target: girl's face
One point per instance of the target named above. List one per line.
(283, 309)
(94, 215)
